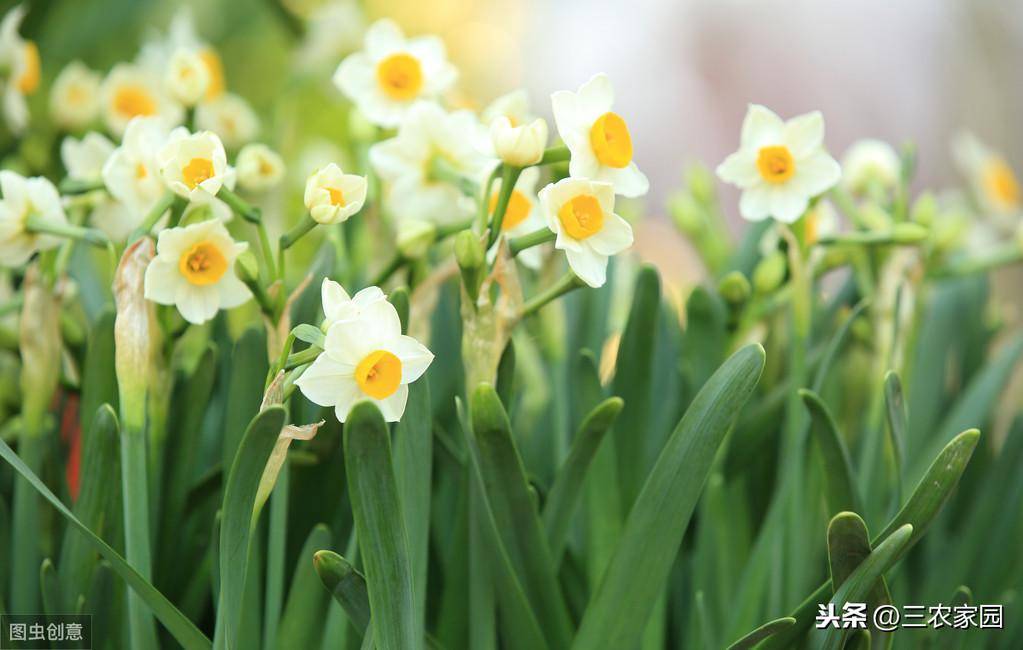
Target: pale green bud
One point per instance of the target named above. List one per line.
(701, 183)
(909, 233)
(770, 272)
(924, 209)
(469, 251)
(734, 288)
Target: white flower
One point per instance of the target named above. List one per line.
(193, 165)
(194, 270)
(187, 76)
(990, 176)
(159, 49)
(331, 196)
(405, 163)
(392, 72)
(366, 358)
(332, 29)
(519, 145)
(598, 138)
(870, 163)
(24, 197)
(84, 159)
(581, 213)
(780, 165)
(522, 215)
(338, 307)
(130, 91)
(259, 167)
(74, 97)
(132, 172)
(230, 117)
(20, 57)
(513, 105)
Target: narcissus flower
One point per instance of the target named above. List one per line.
(991, 178)
(194, 271)
(187, 77)
(392, 73)
(259, 167)
(193, 165)
(74, 98)
(581, 213)
(332, 196)
(130, 91)
(157, 52)
(598, 138)
(132, 172)
(339, 307)
(84, 159)
(870, 164)
(780, 165)
(20, 57)
(366, 358)
(429, 135)
(518, 145)
(522, 215)
(22, 198)
(230, 117)
(513, 105)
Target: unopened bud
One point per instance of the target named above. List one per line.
(924, 209)
(687, 214)
(136, 332)
(734, 288)
(468, 251)
(40, 346)
(770, 272)
(701, 183)
(909, 233)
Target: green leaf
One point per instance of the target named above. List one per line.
(765, 631)
(635, 577)
(182, 629)
(505, 382)
(921, 509)
(301, 624)
(954, 638)
(238, 519)
(99, 381)
(862, 580)
(898, 423)
(309, 333)
(848, 547)
(515, 515)
(383, 541)
(400, 299)
(50, 588)
(246, 370)
(563, 498)
(346, 585)
(840, 491)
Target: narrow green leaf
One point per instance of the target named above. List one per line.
(848, 547)
(246, 370)
(383, 541)
(239, 518)
(50, 588)
(862, 580)
(183, 630)
(635, 577)
(346, 585)
(518, 523)
(563, 497)
(765, 631)
(99, 381)
(954, 638)
(506, 373)
(898, 423)
(400, 299)
(840, 491)
(301, 624)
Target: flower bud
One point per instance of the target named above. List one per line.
(870, 163)
(247, 267)
(909, 233)
(687, 214)
(468, 251)
(415, 237)
(40, 346)
(187, 77)
(734, 288)
(331, 196)
(701, 183)
(136, 332)
(259, 167)
(770, 272)
(519, 146)
(924, 210)
(1019, 237)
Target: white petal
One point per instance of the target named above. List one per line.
(326, 381)
(590, 266)
(414, 357)
(161, 282)
(740, 168)
(628, 181)
(787, 203)
(755, 204)
(595, 98)
(564, 107)
(761, 126)
(817, 173)
(383, 37)
(614, 237)
(392, 407)
(804, 133)
(233, 291)
(197, 304)
(350, 341)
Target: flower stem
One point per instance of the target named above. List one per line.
(442, 170)
(1004, 256)
(535, 238)
(385, 273)
(485, 198)
(268, 272)
(136, 518)
(78, 186)
(509, 175)
(567, 283)
(241, 207)
(159, 208)
(301, 358)
(554, 155)
(289, 238)
(92, 236)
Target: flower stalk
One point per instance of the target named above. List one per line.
(568, 282)
(519, 244)
(509, 175)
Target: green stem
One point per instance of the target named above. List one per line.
(441, 170)
(846, 204)
(267, 272)
(136, 521)
(385, 273)
(301, 358)
(509, 175)
(1004, 256)
(535, 238)
(161, 206)
(484, 206)
(25, 541)
(258, 292)
(567, 283)
(554, 155)
(70, 186)
(240, 206)
(289, 238)
(36, 224)
(276, 545)
(447, 230)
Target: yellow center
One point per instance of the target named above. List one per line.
(379, 374)
(140, 171)
(1001, 183)
(400, 76)
(516, 212)
(215, 68)
(196, 171)
(29, 79)
(337, 197)
(581, 217)
(776, 164)
(202, 264)
(611, 142)
(130, 101)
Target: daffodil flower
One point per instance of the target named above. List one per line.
(992, 179)
(194, 271)
(21, 58)
(259, 167)
(338, 307)
(132, 173)
(581, 214)
(393, 72)
(187, 77)
(129, 91)
(519, 145)
(780, 165)
(870, 163)
(598, 138)
(429, 135)
(230, 117)
(84, 158)
(331, 196)
(24, 198)
(522, 215)
(193, 165)
(513, 105)
(157, 53)
(366, 358)
(75, 96)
